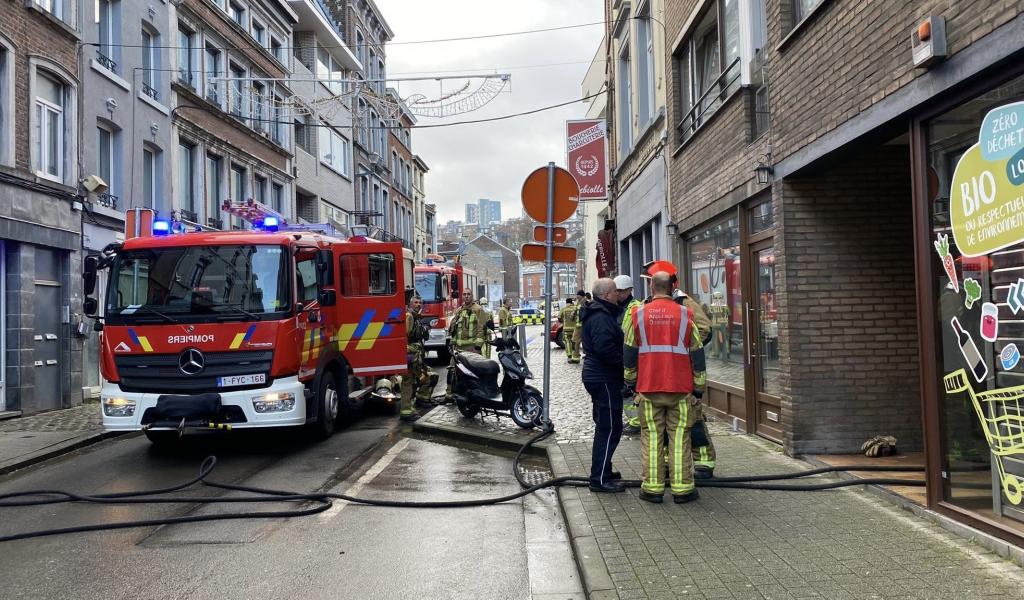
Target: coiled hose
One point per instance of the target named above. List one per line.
(324, 500)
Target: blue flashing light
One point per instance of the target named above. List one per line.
(161, 227)
(271, 224)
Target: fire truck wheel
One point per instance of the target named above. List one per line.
(162, 438)
(328, 398)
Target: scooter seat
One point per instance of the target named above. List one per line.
(482, 367)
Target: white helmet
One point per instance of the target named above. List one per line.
(623, 282)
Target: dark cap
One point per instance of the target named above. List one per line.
(581, 293)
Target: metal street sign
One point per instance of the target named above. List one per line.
(558, 234)
(550, 195)
(566, 194)
(538, 253)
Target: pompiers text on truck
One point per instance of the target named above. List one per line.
(276, 326)
(440, 285)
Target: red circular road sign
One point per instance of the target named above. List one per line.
(535, 195)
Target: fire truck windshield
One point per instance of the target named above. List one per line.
(428, 287)
(198, 284)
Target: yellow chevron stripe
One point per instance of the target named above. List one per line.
(370, 337)
(345, 335)
(237, 342)
(144, 342)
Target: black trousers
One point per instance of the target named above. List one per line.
(607, 398)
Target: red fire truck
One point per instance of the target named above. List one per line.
(277, 326)
(440, 284)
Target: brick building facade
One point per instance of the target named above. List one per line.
(810, 168)
(40, 207)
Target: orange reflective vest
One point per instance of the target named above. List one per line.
(662, 329)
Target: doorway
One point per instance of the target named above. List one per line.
(762, 328)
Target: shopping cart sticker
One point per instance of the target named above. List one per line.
(1010, 356)
(973, 292)
(1001, 413)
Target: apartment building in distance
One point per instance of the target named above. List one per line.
(322, 66)
(231, 137)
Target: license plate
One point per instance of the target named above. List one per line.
(234, 380)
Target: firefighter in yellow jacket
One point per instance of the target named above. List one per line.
(569, 316)
(419, 375)
(467, 330)
(665, 349)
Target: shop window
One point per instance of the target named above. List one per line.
(713, 279)
(761, 218)
(977, 266)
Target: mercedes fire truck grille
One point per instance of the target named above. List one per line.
(161, 373)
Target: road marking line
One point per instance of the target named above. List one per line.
(366, 478)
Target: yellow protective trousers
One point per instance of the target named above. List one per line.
(672, 414)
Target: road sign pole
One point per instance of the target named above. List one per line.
(548, 243)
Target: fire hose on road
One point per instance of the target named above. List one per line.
(324, 500)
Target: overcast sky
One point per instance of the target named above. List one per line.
(491, 160)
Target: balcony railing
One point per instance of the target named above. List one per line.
(214, 223)
(709, 101)
(150, 91)
(107, 62)
(107, 201)
(188, 215)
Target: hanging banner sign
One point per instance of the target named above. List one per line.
(987, 195)
(587, 157)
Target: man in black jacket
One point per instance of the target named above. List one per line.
(603, 378)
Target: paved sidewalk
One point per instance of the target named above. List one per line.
(27, 440)
(743, 543)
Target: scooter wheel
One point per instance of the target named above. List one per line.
(467, 409)
(527, 409)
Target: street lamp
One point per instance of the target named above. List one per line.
(763, 171)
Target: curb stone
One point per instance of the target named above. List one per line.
(59, 449)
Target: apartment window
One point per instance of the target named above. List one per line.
(49, 128)
(237, 13)
(237, 183)
(106, 141)
(259, 188)
(335, 151)
(151, 168)
(108, 21)
(380, 76)
(6, 83)
(645, 64)
(150, 64)
(277, 197)
(57, 8)
(213, 190)
(277, 49)
(186, 55)
(371, 68)
(237, 75)
(625, 108)
(709, 65)
(382, 133)
(802, 8)
(364, 193)
(186, 171)
(213, 71)
(302, 137)
(328, 71)
(259, 103)
(259, 32)
(374, 138)
(361, 48)
(277, 123)
(361, 116)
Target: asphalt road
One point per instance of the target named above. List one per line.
(350, 551)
